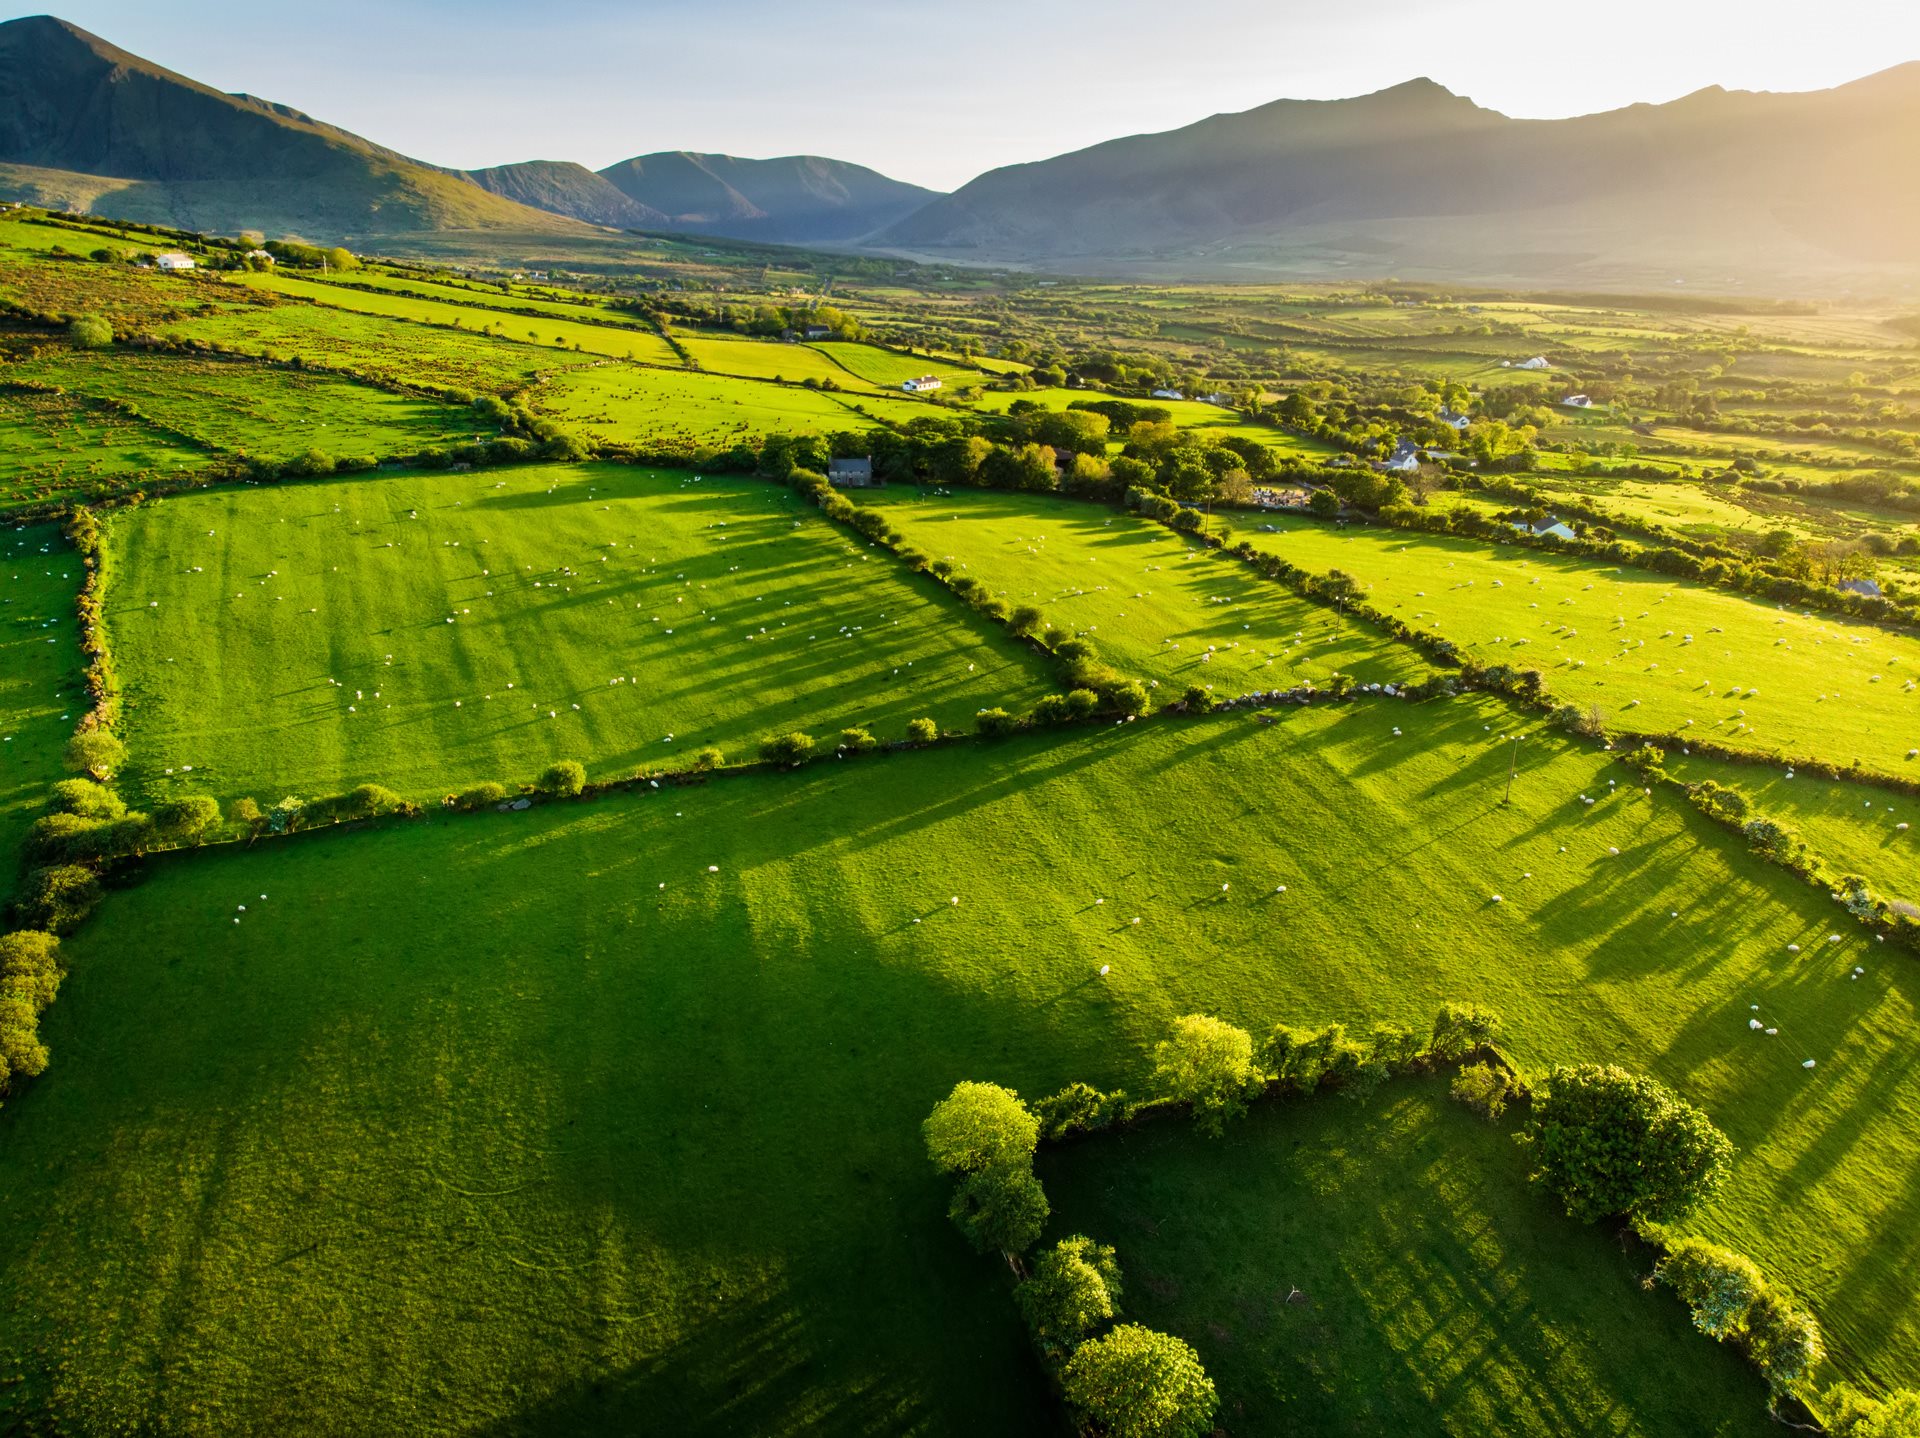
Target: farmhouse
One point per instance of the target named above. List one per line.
(1547, 529)
(1452, 420)
(851, 473)
(1168, 394)
(1866, 588)
(921, 385)
(1537, 362)
(818, 332)
(261, 255)
(174, 260)
(1577, 401)
(1404, 459)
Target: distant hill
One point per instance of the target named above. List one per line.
(86, 124)
(797, 199)
(564, 188)
(1418, 182)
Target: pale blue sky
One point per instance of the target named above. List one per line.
(936, 94)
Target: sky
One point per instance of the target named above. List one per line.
(937, 94)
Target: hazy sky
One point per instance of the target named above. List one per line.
(937, 93)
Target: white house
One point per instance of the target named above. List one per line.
(1577, 401)
(1867, 588)
(1404, 459)
(174, 260)
(922, 384)
(1552, 529)
(1168, 394)
(1537, 362)
(1452, 420)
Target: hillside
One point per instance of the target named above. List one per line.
(564, 188)
(1416, 181)
(85, 123)
(797, 199)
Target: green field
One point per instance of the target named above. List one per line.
(597, 610)
(471, 1118)
(770, 360)
(40, 663)
(62, 446)
(258, 409)
(1816, 677)
(1156, 605)
(889, 370)
(618, 405)
(1388, 1269)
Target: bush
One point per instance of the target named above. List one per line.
(1207, 1063)
(1078, 1108)
(246, 813)
(94, 752)
(1732, 1301)
(857, 741)
(185, 820)
(30, 966)
(1025, 620)
(86, 799)
(1610, 1142)
(21, 1052)
(1197, 700)
(1136, 1383)
(367, 801)
(480, 796)
(997, 723)
(788, 749)
(706, 760)
(922, 731)
(563, 779)
(1127, 696)
(57, 899)
(1000, 1209)
(1850, 1414)
(1484, 1089)
(1461, 1029)
(1081, 703)
(90, 332)
(1075, 1287)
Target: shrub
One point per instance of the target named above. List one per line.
(564, 779)
(57, 899)
(86, 799)
(1051, 709)
(246, 812)
(90, 332)
(1081, 703)
(480, 796)
(21, 1052)
(1461, 1029)
(1610, 1142)
(94, 752)
(1196, 700)
(1075, 1287)
(1025, 620)
(369, 800)
(979, 1125)
(1850, 1414)
(1207, 1063)
(996, 723)
(706, 760)
(1000, 1209)
(1484, 1089)
(30, 966)
(1717, 1285)
(1078, 1108)
(788, 749)
(1136, 1383)
(1127, 696)
(922, 731)
(185, 820)
(1074, 651)
(857, 741)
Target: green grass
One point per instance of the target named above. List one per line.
(40, 662)
(1187, 414)
(653, 407)
(1815, 675)
(62, 446)
(258, 409)
(1387, 1268)
(559, 580)
(890, 370)
(770, 359)
(470, 1121)
(1157, 606)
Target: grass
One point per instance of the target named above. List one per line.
(1187, 414)
(40, 663)
(233, 613)
(655, 407)
(258, 409)
(1815, 676)
(589, 1154)
(1388, 1268)
(63, 446)
(770, 360)
(1156, 605)
(888, 369)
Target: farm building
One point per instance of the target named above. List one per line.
(174, 260)
(851, 473)
(260, 255)
(1866, 588)
(1537, 362)
(1281, 498)
(818, 332)
(1547, 529)
(1168, 394)
(921, 385)
(1452, 420)
(1577, 401)
(1404, 459)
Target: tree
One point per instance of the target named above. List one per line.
(1482, 1088)
(1074, 1287)
(94, 752)
(922, 731)
(185, 820)
(980, 1125)
(1323, 504)
(788, 749)
(1460, 1029)
(565, 778)
(1611, 1142)
(858, 741)
(58, 898)
(85, 798)
(1851, 1414)
(90, 332)
(1000, 1209)
(30, 966)
(706, 760)
(1207, 1063)
(1025, 620)
(1136, 1383)
(1718, 1285)
(339, 259)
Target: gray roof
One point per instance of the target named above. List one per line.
(850, 469)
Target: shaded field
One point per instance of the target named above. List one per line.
(1655, 654)
(470, 1124)
(1387, 1268)
(427, 631)
(63, 446)
(41, 698)
(1155, 604)
(771, 360)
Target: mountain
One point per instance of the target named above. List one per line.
(797, 199)
(85, 123)
(1420, 183)
(564, 188)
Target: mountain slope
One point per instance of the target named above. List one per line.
(564, 188)
(796, 199)
(148, 144)
(1418, 181)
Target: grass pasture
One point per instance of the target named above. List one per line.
(63, 446)
(620, 405)
(598, 1154)
(888, 369)
(297, 639)
(40, 663)
(1388, 1268)
(1831, 687)
(1194, 617)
